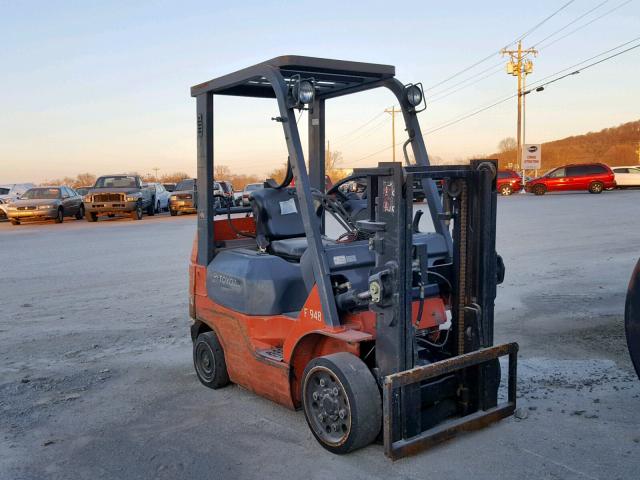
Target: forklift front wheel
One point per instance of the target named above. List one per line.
(341, 402)
(208, 360)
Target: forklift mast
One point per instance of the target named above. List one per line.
(475, 270)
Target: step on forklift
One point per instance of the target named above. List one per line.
(384, 332)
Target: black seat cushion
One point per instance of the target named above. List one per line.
(293, 248)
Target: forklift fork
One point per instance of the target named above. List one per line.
(448, 429)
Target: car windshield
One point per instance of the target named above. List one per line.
(4, 191)
(41, 194)
(116, 182)
(185, 185)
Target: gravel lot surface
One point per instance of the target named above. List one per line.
(96, 379)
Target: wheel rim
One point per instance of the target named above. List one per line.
(327, 406)
(505, 190)
(205, 362)
(596, 187)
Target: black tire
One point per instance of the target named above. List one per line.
(506, 190)
(151, 209)
(349, 413)
(632, 318)
(172, 212)
(14, 221)
(60, 216)
(596, 187)
(91, 217)
(539, 189)
(137, 213)
(80, 213)
(158, 207)
(209, 362)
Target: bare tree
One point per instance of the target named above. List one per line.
(84, 179)
(507, 145)
(174, 177)
(221, 172)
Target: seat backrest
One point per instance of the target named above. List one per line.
(277, 214)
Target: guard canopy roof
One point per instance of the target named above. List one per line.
(332, 77)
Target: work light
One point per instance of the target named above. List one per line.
(306, 92)
(302, 91)
(414, 95)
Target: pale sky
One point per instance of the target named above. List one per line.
(103, 87)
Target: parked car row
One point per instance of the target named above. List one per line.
(591, 177)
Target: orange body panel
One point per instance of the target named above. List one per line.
(223, 231)
(301, 339)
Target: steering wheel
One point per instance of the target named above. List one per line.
(335, 190)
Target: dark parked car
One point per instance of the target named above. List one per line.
(508, 182)
(184, 199)
(46, 203)
(593, 177)
(117, 195)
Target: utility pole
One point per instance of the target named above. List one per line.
(156, 170)
(519, 67)
(393, 112)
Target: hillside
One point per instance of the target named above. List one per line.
(613, 146)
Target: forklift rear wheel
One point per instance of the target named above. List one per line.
(208, 359)
(341, 402)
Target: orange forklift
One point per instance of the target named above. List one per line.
(382, 332)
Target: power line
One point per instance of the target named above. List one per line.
(365, 133)
(586, 67)
(493, 54)
(570, 23)
(447, 91)
(505, 99)
(478, 80)
(378, 115)
(584, 25)
(584, 61)
(480, 110)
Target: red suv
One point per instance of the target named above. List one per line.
(508, 182)
(593, 177)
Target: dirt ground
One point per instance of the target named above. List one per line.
(96, 379)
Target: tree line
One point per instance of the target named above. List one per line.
(614, 146)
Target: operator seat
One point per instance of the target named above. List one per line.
(279, 228)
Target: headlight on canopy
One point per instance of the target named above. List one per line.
(303, 91)
(414, 94)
